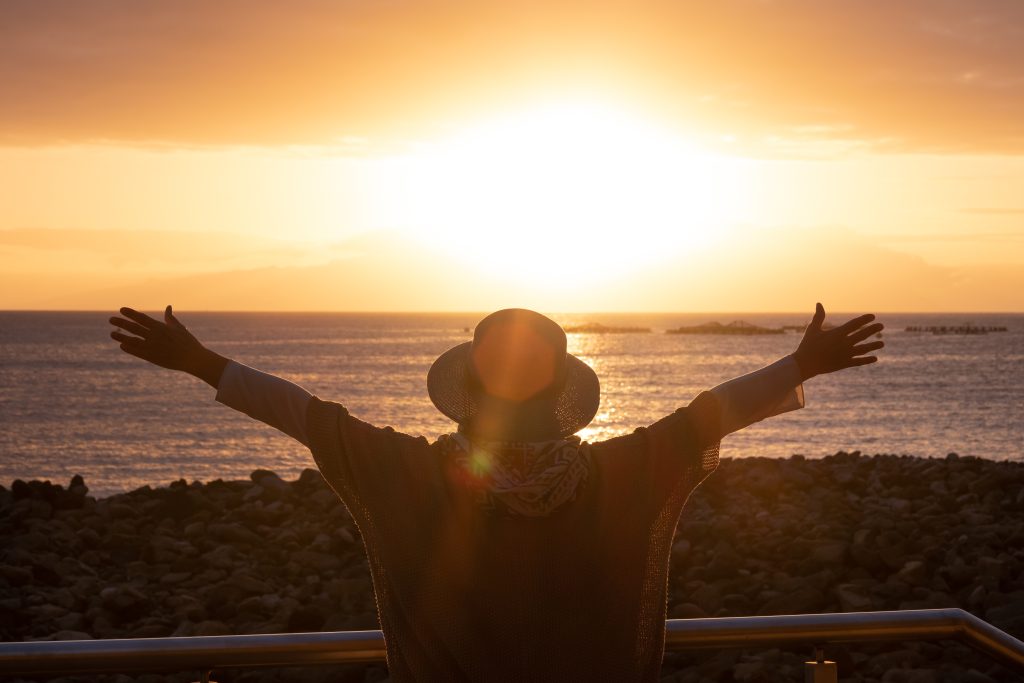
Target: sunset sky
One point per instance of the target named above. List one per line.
(735, 155)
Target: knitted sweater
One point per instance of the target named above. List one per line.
(464, 595)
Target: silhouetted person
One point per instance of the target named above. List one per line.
(509, 550)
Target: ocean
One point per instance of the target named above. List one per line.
(72, 403)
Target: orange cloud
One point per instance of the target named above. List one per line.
(910, 75)
(384, 272)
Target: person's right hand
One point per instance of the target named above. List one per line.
(167, 344)
(822, 351)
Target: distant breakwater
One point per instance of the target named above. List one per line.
(761, 536)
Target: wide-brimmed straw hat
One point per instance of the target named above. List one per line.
(516, 370)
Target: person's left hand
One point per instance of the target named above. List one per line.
(824, 351)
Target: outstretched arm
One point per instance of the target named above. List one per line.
(778, 388)
(168, 344)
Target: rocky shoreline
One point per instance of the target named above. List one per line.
(761, 536)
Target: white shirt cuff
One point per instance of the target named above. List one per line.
(770, 391)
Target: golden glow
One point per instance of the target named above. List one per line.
(559, 195)
(472, 156)
(294, 229)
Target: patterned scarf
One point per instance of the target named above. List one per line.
(531, 479)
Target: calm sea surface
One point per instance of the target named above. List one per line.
(72, 403)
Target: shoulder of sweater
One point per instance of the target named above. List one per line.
(337, 411)
(701, 414)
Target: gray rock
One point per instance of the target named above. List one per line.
(680, 549)
(320, 562)
(10, 605)
(151, 630)
(311, 478)
(707, 597)
(184, 629)
(187, 608)
(166, 549)
(211, 628)
(175, 578)
(686, 610)
(324, 499)
(975, 676)
(125, 602)
(88, 537)
(233, 533)
(253, 494)
(306, 618)
(914, 573)
(833, 553)
(805, 600)
(736, 603)
(221, 557)
(273, 487)
(897, 505)
(70, 635)
(195, 530)
(15, 576)
(910, 676)
(1009, 616)
(249, 584)
(77, 486)
(725, 561)
(853, 598)
(116, 510)
(72, 621)
(748, 671)
(891, 548)
(322, 542)
(47, 612)
(276, 487)
(253, 605)
(977, 597)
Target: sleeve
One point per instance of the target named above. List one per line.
(264, 397)
(685, 444)
(770, 391)
(370, 468)
(665, 461)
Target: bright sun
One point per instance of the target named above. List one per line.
(562, 194)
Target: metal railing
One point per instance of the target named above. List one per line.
(204, 653)
(849, 627)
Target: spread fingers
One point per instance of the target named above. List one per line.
(140, 318)
(125, 339)
(866, 348)
(865, 332)
(129, 326)
(860, 360)
(851, 325)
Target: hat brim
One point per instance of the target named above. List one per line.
(449, 387)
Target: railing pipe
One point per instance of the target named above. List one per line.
(297, 649)
(847, 627)
(195, 652)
